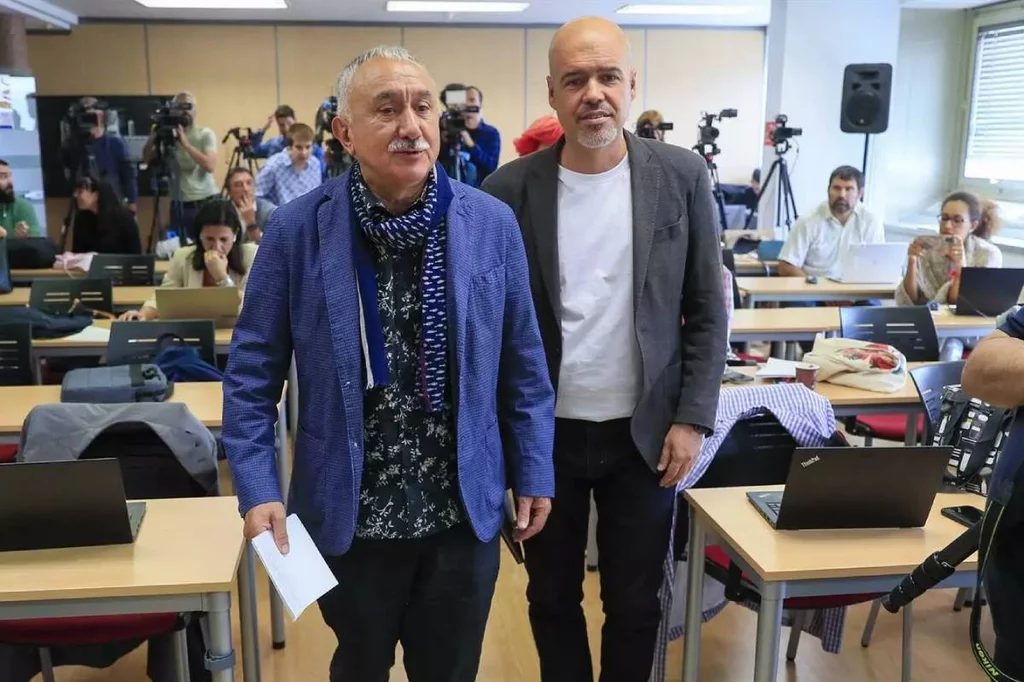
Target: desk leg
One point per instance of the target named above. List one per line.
(910, 436)
(769, 629)
(247, 616)
(284, 477)
(694, 598)
(219, 648)
(908, 622)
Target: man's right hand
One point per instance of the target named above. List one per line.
(268, 516)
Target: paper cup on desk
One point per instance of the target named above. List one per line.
(807, 374)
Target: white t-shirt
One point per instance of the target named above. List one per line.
(600, 375)
(817, 239)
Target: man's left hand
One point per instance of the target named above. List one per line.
(677, 454)
(467, 140)
(21, 229)
(531, 517)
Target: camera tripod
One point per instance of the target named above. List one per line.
(157, 228)
(784, 199)
(716, 190)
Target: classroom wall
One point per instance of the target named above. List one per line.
(926, 117)
(239, 73)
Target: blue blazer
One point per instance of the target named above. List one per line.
(302, 298)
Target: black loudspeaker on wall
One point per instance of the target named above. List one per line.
(866, 91)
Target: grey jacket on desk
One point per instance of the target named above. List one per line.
(677, 275)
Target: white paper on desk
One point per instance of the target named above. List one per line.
(777, 369)
(301, 576)
(91, 334)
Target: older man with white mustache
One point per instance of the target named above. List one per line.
(406, 300)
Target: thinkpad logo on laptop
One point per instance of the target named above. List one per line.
(811, 461)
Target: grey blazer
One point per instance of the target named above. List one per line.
(677, 275)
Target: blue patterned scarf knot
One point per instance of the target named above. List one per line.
(421, 226)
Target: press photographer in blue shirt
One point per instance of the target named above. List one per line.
(90, 150)
(467, 136)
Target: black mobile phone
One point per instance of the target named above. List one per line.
(965, 515)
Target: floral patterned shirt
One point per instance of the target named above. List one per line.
(410, 486)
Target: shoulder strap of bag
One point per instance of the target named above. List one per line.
(989, 526)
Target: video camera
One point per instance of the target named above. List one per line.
(339, 160)
(453, 120)
(782, 134)
(244, 137)
(649, 130)
(707, 133)
(168, 118)
(81, 119)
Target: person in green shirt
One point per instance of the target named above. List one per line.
(17, 217)
(192, 163)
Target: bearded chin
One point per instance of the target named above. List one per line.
(7, 196)
(600, 139)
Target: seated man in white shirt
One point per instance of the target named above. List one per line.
(814, 244)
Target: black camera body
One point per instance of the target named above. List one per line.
(244, 137)
(649, 131)
(781, 133)
(340, 161)
(707, 133)
(453, 122)
(168, 118)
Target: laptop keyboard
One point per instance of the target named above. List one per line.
(774, 506)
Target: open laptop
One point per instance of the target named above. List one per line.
(850, 487)
(219, 304)
(76, 503)
(769, 250)
(989, 292)
(871, 264)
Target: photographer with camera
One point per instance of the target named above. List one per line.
(90, 150)
(284, 116)
(187, 155)
(651, 125)
(463, 129)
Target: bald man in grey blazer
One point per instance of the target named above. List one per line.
(625, 272)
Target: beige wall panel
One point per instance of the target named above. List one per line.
(309, 59)
(491, 58)
(230, 69)
(101, 59)
(537, 42)
(694, 70)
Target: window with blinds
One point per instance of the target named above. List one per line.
(995, 137)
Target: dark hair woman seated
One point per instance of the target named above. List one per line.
(102, 224)
(219, 258)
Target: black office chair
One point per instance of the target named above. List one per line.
(138, 341)
(930, 381)
(908, 329)
(57, 296)
(16, 355)
(137, 270)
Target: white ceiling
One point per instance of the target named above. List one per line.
(551, 12)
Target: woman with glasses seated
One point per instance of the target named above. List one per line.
(219, 258)
(102, 223)
(934, 263)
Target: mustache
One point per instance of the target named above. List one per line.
(587, 109)
(404, 144)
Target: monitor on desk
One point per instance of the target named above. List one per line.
(989, 292)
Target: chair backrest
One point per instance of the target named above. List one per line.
(908, 329)
(57, 295)
(16, 367)
(929, 381)
(125, 269)
(757, 451)
(132, 342)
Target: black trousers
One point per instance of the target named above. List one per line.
(431, 594)
(634, 519)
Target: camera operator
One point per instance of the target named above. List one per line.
(652, 126)
(284, 116)
(995, 373)
(191, 163)
(90, 141)
(481, 141)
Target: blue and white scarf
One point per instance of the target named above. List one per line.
(421, 226)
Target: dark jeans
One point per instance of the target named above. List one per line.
(1004, 587)
(634, 519)
(431, 594)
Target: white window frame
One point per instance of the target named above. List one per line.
(1002, 190)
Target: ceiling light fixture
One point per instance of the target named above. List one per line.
(684, 10)
(214, 4)
(452, 6)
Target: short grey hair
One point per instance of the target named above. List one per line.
(344, 82)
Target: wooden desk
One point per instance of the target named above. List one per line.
(794, 289)
(124, 297)
(805, 563)
(185, 559)
(26, 275)
(205, 400)
(72, 347)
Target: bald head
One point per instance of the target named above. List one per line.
(591, 82)
(588, 33)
